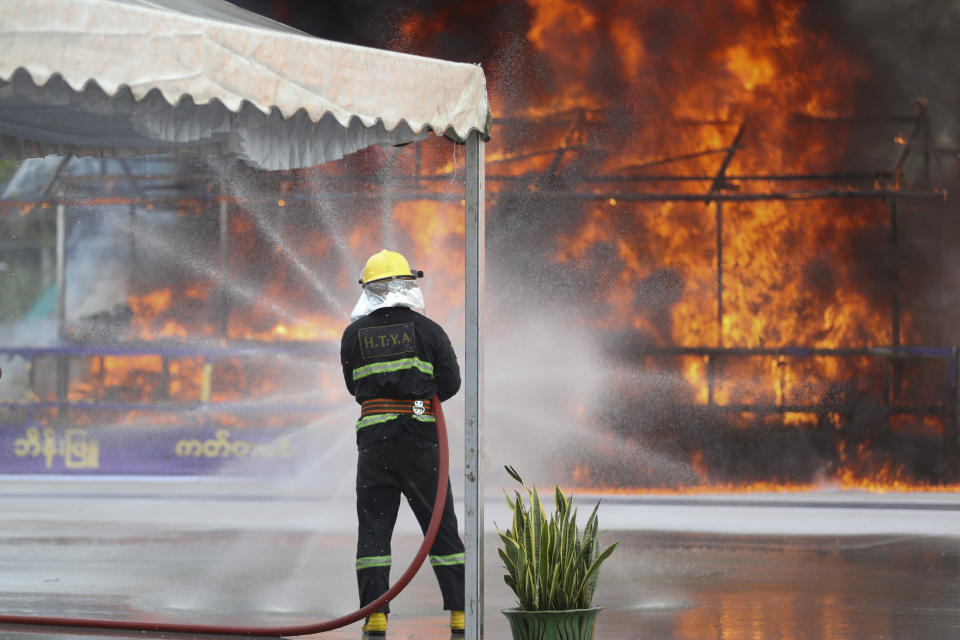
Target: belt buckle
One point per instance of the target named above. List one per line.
(418, 408)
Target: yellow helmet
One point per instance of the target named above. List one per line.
(387, 264)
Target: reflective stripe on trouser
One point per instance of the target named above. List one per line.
(373, 561)
(385, 471)
(446, 561)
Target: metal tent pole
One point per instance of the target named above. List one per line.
(61, 268)
(63, 362)
(223, 226)
(473, 422)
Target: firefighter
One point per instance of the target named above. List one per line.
(395, 360)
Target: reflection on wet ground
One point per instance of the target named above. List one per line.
(730, 587)
(683, 586)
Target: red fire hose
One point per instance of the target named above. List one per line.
(298, 630)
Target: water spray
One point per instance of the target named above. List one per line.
(297, 630)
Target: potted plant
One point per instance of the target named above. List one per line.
(552, 567)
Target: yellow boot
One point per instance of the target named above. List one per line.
(375, 625)
(456, 622)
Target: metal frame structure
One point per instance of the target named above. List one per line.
(889, 186)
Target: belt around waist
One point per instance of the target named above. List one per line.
(385, 405)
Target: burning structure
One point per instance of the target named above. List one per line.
(755, 229)
(759, 243)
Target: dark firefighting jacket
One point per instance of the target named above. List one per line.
(397, 353)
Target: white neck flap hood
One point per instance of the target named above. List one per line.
(388, 293)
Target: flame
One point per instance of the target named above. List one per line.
(789, 276)
(154, 314)
(626, 89)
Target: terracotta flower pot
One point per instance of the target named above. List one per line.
(571, 624)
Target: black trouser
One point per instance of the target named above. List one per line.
(386, 469)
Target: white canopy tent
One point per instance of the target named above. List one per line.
(115, 78)
(127, 77)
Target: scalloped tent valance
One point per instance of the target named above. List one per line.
(127, 77)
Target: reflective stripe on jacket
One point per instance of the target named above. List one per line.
(397, 352)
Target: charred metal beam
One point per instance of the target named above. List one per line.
(353, 179)
(927, 141)
(233, 407)
(719, 225)
(788, 177)
(679, 158)
(799, 118)
(561, 116)
(331, 196)
(895, 276)
(881, 194)
(804, 118)
(937, 409)
(520, 156)
(902, 352)
(573, 139)
(720, 180)
(212, 350)
(953, 425)
(905, 153)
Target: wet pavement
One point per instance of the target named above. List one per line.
(686, 568)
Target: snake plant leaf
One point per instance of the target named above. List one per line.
(560, 548)
(544, 557)
(561, 501)
(553, 591)
(510, 549)
(591, 581)
(513, 473)
(519, 519)
(534, 590)
(537, 517)
(591, 528)
(522, 573)
(594, 569)
(587, 553)
(508, 563)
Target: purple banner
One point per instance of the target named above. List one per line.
(148, 450)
